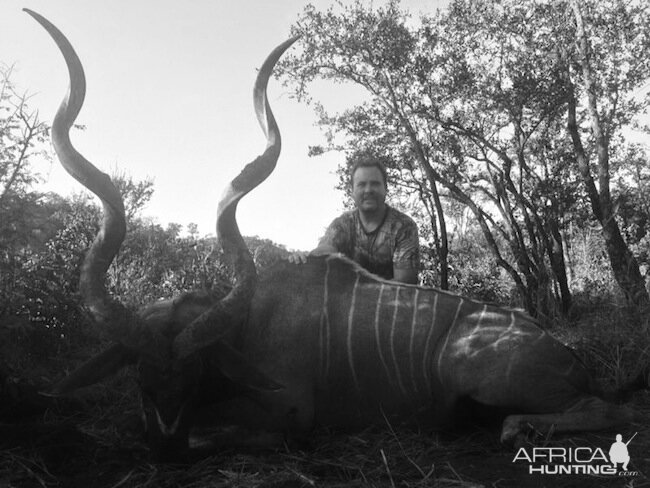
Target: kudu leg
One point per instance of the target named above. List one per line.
(588, 414)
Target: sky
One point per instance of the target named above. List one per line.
(169, 97)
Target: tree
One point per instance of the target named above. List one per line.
(473, 101)
(605, 68)
(136, 194)
(21, 134)
(21, 212)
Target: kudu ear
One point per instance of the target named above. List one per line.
(234, 366)
(94, 370)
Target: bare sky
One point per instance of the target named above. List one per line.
(170, 97)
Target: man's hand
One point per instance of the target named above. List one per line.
(298, 257)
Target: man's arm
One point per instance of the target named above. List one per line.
(323, 249)
(335, 234)
(406, 256)
(300, 257)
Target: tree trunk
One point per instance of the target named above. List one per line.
(624, 265)
(443, 250)
(558, 265)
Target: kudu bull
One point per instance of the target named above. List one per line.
(320, 343)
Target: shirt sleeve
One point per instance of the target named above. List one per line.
(407, 247)
(336, 235)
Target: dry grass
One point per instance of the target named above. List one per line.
(91, 450)
(97, 442)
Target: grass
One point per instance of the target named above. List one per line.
(385, 456)
(613, 342)
(96, 441)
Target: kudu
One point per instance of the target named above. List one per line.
(319, 343)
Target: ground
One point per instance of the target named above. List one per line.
(101, 446)
(94, 439)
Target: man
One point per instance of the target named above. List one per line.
(381, 239)
(618, 452)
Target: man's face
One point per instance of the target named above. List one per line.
(368, 189)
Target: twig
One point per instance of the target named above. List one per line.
(399, 443)
(390, 476)
(123, 480)
(304, 478)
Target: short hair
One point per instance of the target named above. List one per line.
(368, 162)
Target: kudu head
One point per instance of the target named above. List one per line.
(179, 344)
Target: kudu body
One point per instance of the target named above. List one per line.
(324, 342)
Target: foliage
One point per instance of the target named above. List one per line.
(474, 101)
(22, 136)
(41, 319)
(632, 187)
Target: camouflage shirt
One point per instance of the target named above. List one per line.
(393, 244)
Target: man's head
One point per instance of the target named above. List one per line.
(368, 180)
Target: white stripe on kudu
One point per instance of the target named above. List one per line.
(505, 335)
(325, 326)
(451, 328)
(478, 322)
(425, 356)
(349, 339)
(412, 340)
(377, 338)
(392, 342)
